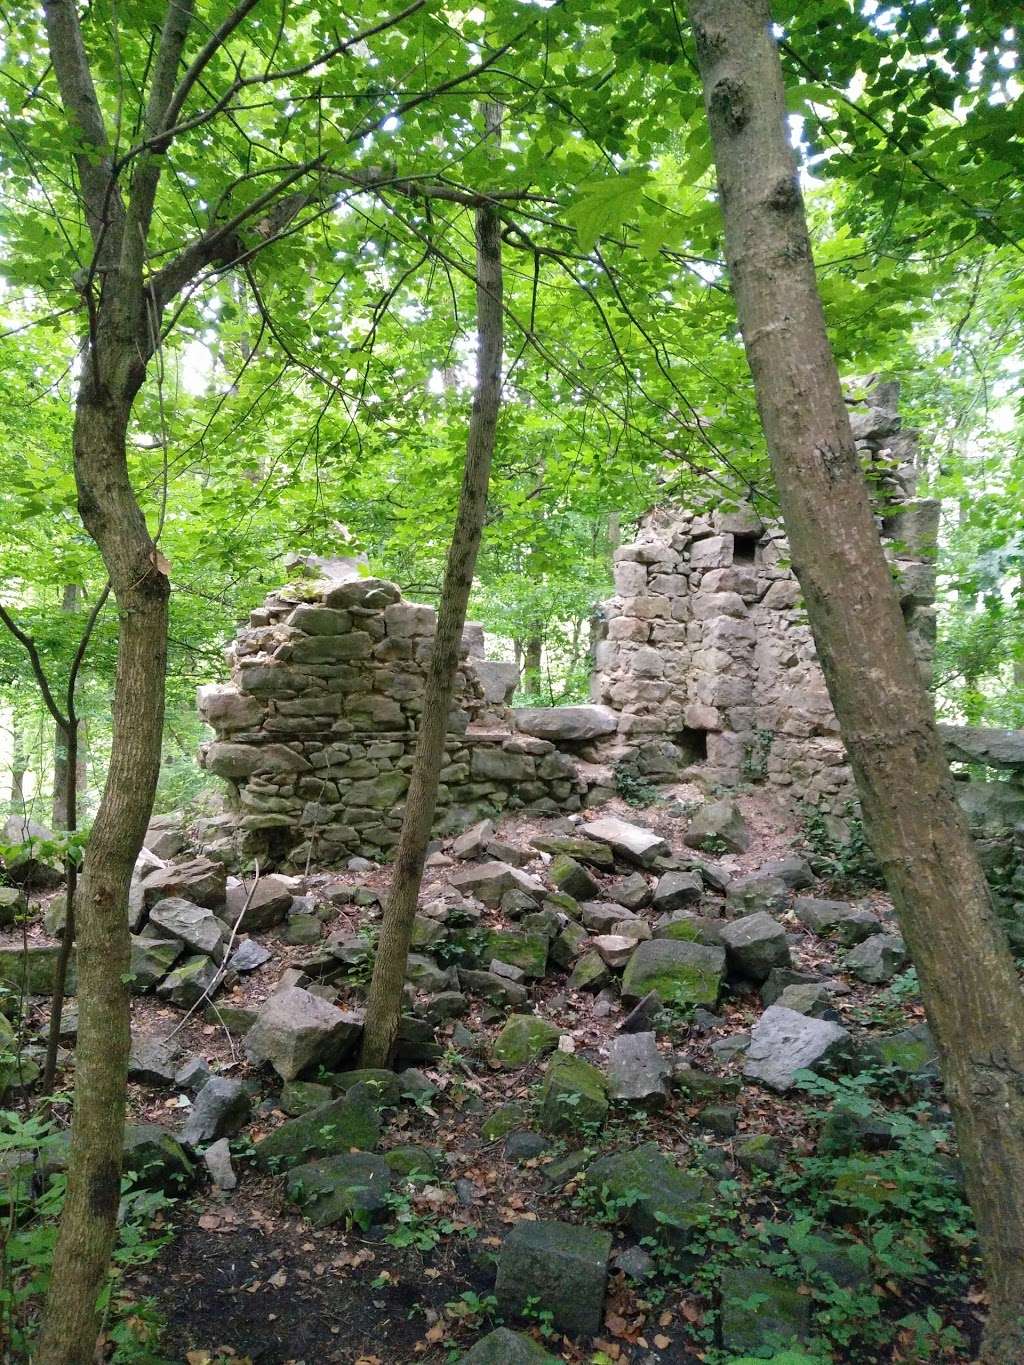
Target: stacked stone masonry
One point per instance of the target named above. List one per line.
(315, 731)
(707, 661)
(708, 657)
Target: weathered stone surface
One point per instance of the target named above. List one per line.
(523, 1039)
(489, 881)
(152, 1061)
(784, 1042)
(668, 1204)
(32, 971)
(590, 973)
(494, 988)
(151, 960)
(582, 850)
(630, 842)
(747, 895)
(189, 982)
(504, 1347)
(249, 956)
(877, 959)
(574, 1093)
(681, 973)
(474, 841)
(633, 892)
(562, 1268)
(220, 1109)
(808, 998)
(351, 1185)
(217, 1159)
(572, 877)
(527, 951)
(761, 1311)
(351, 1121)
(848, 922)
(571, 724)
(979, 744)
(199, 880)
(637, 1071)
(718, 826)
(13, 903)
(266, 904)
(754, 945)
(676, 889)
(615, 950)
(295, 1030)
(193, 925)
(30, 866)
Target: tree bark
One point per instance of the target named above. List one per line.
(384, 1005)
(968, 980)
(115, 521)
(61, 740)
(533, 664)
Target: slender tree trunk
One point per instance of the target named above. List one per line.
(115, 521)
(19, 766)
(533, 664)
(61, 809)
(969, 984)
(383, 1008)
(68, 743)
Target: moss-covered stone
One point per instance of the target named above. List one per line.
(504, 1120)
(326, 1131)
(567, 945)
(32, 970)
(524, 1038)
(351, 1186)
(590, 973)
(660, 1200)
(410, 1160)
(299, 1097)
(527, 951)
(382, 1085)
(574, 1093)
(681, 973)
(571, 877)
(760, 1311)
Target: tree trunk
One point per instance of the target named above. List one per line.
(61, 809)
(533, 664)
(19, 766)
(113, 517)
(384, 1005)
(968, 981)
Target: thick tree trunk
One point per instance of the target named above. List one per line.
(384, 1004)
(969, 984)
(115, 521)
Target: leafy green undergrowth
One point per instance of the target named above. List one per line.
(31, 1200)
(871, 1234)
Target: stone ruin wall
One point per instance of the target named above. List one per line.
(315, 730)
(708, 658)
(707, 665)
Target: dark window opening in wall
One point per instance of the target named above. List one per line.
(693, 744)
(744, 549)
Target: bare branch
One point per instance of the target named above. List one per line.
(78, 94)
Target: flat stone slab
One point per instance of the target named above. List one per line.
(572, 723)
(563, 1266)
(488, 882)
(784, 1042)
(630, 842)
(979, 744)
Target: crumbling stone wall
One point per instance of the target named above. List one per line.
(708, 658)
(315, 730)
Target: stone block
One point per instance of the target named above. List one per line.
(559, 1268)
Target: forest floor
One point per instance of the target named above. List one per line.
(245, 1277)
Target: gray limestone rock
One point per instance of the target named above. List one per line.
(632, 843)
(572, 724)
(295, 1030)
(754, 945)
(877, 959)
(784, 1042)
(220, 1109)
(637, 1071)
(194, 925)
